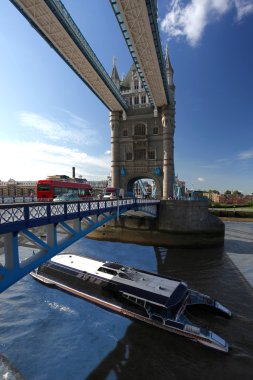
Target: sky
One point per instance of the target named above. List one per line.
(51, 121)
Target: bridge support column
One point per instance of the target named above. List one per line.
(168, 153)
(11, 251)
(51, 235)
(114, 124)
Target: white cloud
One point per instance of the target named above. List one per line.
(246, 155)
(244, 8)
(76, 132)
(190, 20)
(32, 161)
(108, 152)
(201, 179)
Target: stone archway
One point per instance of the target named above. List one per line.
(131, 180)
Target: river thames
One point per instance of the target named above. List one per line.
(49, 335)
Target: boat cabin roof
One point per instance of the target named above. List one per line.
(143, 284)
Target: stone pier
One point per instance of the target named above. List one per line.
(179, 224)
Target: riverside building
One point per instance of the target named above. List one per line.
(14, 188)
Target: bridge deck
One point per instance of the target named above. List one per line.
(53, 22)
(138, 23)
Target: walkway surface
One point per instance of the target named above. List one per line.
(239, 247)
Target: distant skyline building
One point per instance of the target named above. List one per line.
(142, 140)
(14, 188)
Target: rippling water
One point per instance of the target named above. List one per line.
(49, 335)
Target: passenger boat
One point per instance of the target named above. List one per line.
(149, 297)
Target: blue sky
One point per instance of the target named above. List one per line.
(50, 121)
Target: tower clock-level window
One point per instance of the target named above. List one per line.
(136, 84)
(155, 131)
(140, 130)
(140, 154)
(151, 155)
(129, 156)
(130, 101)
(125, 132)
(136, 100)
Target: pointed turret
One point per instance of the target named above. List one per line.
(115, 75)
(170, 72)
(169, 68)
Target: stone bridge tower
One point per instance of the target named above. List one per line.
(142, 140)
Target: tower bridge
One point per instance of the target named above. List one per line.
(142, 123)
(142, 106)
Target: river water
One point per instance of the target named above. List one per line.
(49, 335)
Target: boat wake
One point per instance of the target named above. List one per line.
(61, 308)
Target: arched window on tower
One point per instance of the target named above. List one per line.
(140, 130)
(136, 84)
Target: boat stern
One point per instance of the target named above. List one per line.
(204, 301)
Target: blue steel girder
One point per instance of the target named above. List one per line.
(152, 16)
(17, 220)
(30, 10)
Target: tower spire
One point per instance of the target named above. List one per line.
(167, 61)
(169, 68)
(115, 75)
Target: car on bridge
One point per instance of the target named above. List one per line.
(113, 193)
(68, 197)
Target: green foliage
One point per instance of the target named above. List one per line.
(213, 191)
(234, 206)
(236, 192)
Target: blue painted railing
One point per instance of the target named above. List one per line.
(27, 215)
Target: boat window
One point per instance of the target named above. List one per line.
(108, 271)
(124, 275)
(140, 302)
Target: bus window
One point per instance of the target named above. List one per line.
(44, 187)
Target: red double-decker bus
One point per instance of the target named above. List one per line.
(48, 189)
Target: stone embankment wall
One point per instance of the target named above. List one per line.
(179, 224)
(224, 213)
